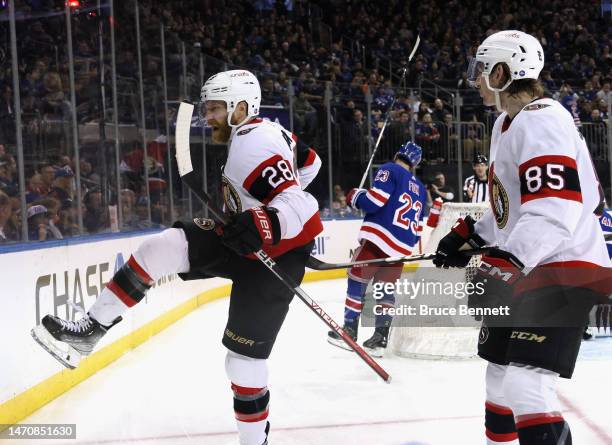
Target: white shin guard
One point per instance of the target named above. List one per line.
(531, 391)
(162, 254)
(494, 384)
(249, 377)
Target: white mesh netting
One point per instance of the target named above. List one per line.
(434, 342)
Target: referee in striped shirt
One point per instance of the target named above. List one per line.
(475, 187)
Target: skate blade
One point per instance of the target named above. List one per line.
(375, 352)
(63, 352)
(339, 343)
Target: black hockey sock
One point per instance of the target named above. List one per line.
(251, 404)
(130, 283)
(557, 433)
(499, 423)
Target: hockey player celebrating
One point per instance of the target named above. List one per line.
(545, 202)
(264, 178)
(392, 227)
(603, 313)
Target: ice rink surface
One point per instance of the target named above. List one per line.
(173, 390)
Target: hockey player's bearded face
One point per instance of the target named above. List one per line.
(216, 117)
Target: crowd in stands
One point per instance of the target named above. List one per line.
(52, 206)
(355, 48)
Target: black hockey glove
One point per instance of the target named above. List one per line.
(249, 231)
(460, 237)
(494, 282)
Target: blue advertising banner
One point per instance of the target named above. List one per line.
(275, 114)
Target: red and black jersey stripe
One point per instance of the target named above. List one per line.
(553, 176)
(269, 178)
(305, 155)
(572, 274)
(527, 420)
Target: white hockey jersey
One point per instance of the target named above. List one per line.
(268, 165)
(543, 191)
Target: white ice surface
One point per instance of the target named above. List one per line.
(173, 390)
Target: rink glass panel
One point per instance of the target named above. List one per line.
(120, 149)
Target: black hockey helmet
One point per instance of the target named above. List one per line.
(480, 159)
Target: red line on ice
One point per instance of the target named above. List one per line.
(599, 431)
(288, 428)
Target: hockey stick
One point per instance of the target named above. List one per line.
(317, 264)
(194, 181)
(382, 130)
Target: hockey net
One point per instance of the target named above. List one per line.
(434, 342)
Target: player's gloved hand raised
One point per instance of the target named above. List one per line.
(353, 195)
(495, 278)
(461, 237)
(249, 231)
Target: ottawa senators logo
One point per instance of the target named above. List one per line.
(535, 107)
(245, 131)
(231, 196)
(499, 200)
(204, 223)
(483, 335)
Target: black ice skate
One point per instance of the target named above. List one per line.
(69, 341)
(377, 343)
(350, 328)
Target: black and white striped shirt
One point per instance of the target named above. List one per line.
(479, 189)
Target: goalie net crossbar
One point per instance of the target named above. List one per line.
(438, 343)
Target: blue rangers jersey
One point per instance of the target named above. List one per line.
(394, 210)
(606, 225)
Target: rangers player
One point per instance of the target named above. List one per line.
(392, 227)
(264, 178)
(603, 313)
(606, 226)
(545, 204)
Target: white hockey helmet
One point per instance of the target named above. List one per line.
(233, 87)
(521, 52)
